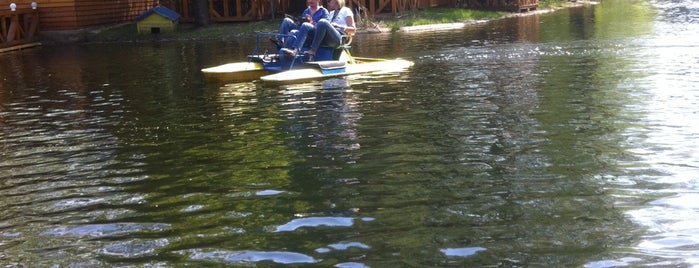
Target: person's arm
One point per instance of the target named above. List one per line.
(349, 29)
(348, 25)
(306, 16)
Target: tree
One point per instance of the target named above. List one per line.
(201, 13)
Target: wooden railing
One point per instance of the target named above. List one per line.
(19, 27)
(223, 10)
(250, 10)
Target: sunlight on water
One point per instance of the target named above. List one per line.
(667, 140)
(461, 252)
(248, 257)
(315, 222)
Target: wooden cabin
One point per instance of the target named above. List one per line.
(57, 15)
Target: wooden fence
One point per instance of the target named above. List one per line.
(224, 10)
(19, 27)
(249, 10)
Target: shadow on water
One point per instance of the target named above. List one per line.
(533, 141)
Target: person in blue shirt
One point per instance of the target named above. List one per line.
(310, 17)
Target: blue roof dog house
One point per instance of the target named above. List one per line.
(157, 19)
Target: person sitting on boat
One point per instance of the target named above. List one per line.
(330, 31)
(310, 16)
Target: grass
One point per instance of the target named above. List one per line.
(440, 15)
(185, 31)
(552, 3)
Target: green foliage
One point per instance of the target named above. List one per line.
(185, 31)
(446, 15)
(440, 15)
(552, 3)
(229, 31)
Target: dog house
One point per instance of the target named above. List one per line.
(156, 20)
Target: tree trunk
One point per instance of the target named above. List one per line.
(201, 13)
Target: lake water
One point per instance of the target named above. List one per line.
(565, 139)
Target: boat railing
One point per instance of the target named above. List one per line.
(263, 37)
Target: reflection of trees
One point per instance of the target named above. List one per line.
(55, 143)
(205, 166)
(501, 150)
(515, 29)
(323, 120)
(580, 92)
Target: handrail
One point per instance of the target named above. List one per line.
(18, 27)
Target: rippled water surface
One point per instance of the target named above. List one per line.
(554, 140)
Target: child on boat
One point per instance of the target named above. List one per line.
(310, 16)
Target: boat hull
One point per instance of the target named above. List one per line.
(361, 65)
(235, 72)
(278, 68)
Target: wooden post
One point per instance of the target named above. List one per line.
(12, 30)
(271, 7)
(225, 9)
(33, 25)
(3, 35)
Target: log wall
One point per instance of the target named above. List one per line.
(78, 14)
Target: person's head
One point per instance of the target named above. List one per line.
(313, 3)
(336, 4)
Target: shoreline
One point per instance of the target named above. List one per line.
(124, 33)
(460, 25)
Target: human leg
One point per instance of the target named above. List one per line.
(304, 31)
(325, 34)
(286, 27)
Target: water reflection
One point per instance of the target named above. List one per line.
(552, 140)
(315, 222)
(248, 257)
(667, 97)
(461, 252)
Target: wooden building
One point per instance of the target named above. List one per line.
(56, 15)
(59, 15)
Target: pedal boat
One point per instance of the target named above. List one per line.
(278, 68)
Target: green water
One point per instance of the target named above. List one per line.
(555, 140)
